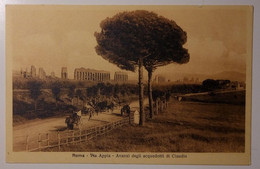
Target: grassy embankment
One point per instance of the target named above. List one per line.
(184, 127)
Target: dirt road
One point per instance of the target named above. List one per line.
(51, 125)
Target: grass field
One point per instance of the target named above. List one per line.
(230, 97)
(184, 127)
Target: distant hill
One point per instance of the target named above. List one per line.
(230, 75)
(225, 75)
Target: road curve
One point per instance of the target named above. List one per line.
(32, 128)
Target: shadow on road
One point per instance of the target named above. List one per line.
(59, 128)
(99, 120)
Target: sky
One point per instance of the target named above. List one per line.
(52, 37)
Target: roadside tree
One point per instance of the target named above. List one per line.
(140, 38)
(71, 92)
(56, 91)
(166, 48)
(35, 91)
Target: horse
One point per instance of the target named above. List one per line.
(70, 123)
(125, 109)
(73, 119)
(110, 107)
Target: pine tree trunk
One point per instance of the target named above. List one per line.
(150, 94)
(141, 92)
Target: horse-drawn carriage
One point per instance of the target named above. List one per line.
(73, 120)
(125, 110)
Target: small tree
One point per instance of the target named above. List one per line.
(79, 95)
(35, 91)
(56, 90)
(71, 92)
(210, 84)
(108, 90)
(92, 92)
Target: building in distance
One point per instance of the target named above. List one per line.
(33, 71)
(42, 73)
(120, 77)
(28, 74)
(52, 75)
(159, 79)
(91, 75)
(188, 80)
(25, 73)
(64, 73)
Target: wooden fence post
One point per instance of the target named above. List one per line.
(73, 137)
(39, 141)
(27, 143)
(79, 135)
(48, 139)
(58, 135)
(130, 118)
(67, 139)
(86, 135)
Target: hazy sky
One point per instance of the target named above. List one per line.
(56, 36)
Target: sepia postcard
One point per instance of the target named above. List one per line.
(128, 84)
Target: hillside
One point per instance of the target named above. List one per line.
(229, 75)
